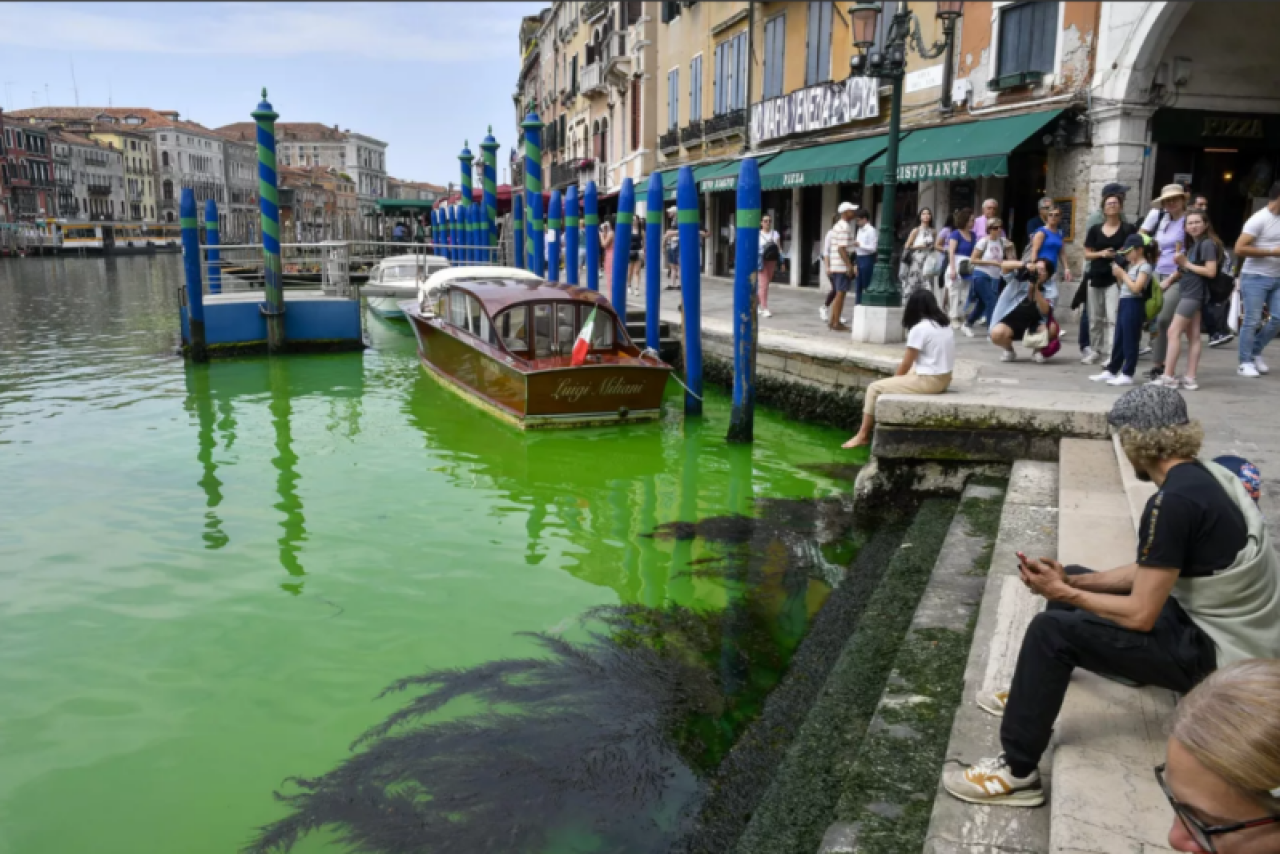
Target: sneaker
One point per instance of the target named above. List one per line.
(1248, 369)
(994, 703)
(1189, 383)
(982, 321)
(844, 321)
(1222, 338)
(1105, 376)
(1121, 380)
(1008, 356)
(1088, 356)
(1038, 358)
(1165, 381)
(967, 330)
(825, 313)
(991, 782)
(1144, 350)
(1156, 372)
(1260, 365)
(764, 312)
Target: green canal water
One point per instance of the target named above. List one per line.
(208, 575)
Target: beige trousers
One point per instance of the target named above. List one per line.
(1104, 305)
(912, 383)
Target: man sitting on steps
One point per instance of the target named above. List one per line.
(1204, 592)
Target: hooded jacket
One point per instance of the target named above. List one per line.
(1239, 607)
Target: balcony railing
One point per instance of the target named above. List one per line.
(99, 188)
(593, 78)
(136, 170)
(594, 9)
(563, 174)
(669, 141)
(691, 134)
(614, 51)
(732, 123)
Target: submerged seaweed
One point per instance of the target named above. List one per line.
(609, 740)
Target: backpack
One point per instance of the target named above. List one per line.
(771, 252)
(1153, 296)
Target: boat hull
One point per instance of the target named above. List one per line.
(388, 307)
(553, 398)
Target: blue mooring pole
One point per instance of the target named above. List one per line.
(191, 267)
(653, 262)
(517, 228)
(534, 225)
(745, 328)
(455, 233)
(689, 228)
(555, 226)
(571, 235)
(591, 217)
(212, 239)
(437, 233)
(474, 214)
(537, 220)
(622, 247)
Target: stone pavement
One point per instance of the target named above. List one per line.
(1239, 415)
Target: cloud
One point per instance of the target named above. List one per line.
(424, 33)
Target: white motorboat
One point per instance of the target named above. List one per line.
(399, 278)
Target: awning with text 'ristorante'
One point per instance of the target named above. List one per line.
(961, 151)
(671, 178)
(833, 163)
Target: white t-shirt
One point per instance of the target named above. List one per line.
(867, 239)
(937, 346)
(990, 250)
(1264, 226)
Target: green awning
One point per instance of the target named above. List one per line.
(833, 163)
(958, 152)
(724, 178)
(388, 205)
(672, 177)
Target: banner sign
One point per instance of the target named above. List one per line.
(816, 108)
(942, 170)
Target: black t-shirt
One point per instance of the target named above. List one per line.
(1191, 524)
(1100, 275)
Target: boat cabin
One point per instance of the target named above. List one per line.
(534, 320)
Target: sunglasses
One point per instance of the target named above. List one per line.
(1202, 833)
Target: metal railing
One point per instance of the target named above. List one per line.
(669, 141)
(691, 133)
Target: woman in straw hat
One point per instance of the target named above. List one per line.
(1167, 227)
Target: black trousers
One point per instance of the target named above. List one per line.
(1176, 654)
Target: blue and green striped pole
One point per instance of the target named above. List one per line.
(489, 157)
(555, 222)
(191, 267)
(455, 251)
(689, 227)
(746, 251)
(212, 240)
(435, 232)
(533, 246)
(622, 246)
(653, 261)
(269, 208)
(591, 218)
(476, 215)
(571, 235)
(517, 229)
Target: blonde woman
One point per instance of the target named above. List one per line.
(1222, 777)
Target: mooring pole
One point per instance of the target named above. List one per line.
(269, 209)
(653, 262)
(555, 225)
(746, 252)
(479, 234)
(455, 237)
(571, 235)
(212, 239)
(622, 246)
(465, 159)
(489, 175)
(592, 219)
(689, 227)
(191, 267)
(468, 233)
(435, 232)
(517, 229)
(533, 191)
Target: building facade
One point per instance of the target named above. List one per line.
(28, 171)
(90, 178)
(4, 173)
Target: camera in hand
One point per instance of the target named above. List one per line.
(1025, 274)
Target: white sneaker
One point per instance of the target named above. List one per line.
(1038, 357)
(1189, 383)
(845, 321)
(967, 330)
(982, 321)
(991, 782)
(994, 703)
(1093, 357)
(1164, 380)
(1008, 356)
(1144, 350)
(1105, 376)
(1248, 369)
(825, 313)
(764, 312)
(1121, 380)
(1260, 365)
(1085, 355)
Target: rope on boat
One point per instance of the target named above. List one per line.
(652, 353)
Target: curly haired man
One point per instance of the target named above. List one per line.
(1203, 592)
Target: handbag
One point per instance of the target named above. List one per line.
(932, 264)
(1036, 340)
(1233, 313)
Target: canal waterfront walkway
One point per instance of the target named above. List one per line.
(1238, 414)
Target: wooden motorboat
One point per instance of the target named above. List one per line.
(504, 339)
(396, 279)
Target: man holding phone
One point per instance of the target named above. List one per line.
(1203, 592)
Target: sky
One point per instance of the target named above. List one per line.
(422, 77)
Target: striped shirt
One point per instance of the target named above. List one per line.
(841, 235)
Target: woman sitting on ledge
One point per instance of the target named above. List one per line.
(926, 366)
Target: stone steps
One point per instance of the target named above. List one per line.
(1108, 738)
(892, 782)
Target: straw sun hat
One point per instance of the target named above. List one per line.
(1170, 191)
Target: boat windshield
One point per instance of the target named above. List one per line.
(555, 328)
(404, 271)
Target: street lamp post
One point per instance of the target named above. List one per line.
(890, 61)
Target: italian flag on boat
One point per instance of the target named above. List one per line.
(583, 344)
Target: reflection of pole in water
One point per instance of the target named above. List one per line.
(620, 501)
(533, 525)
(286, 463)
(198, 399)
(680, 588)
(653, 574)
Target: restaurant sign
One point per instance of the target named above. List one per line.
(941, 170)
(816, 108)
